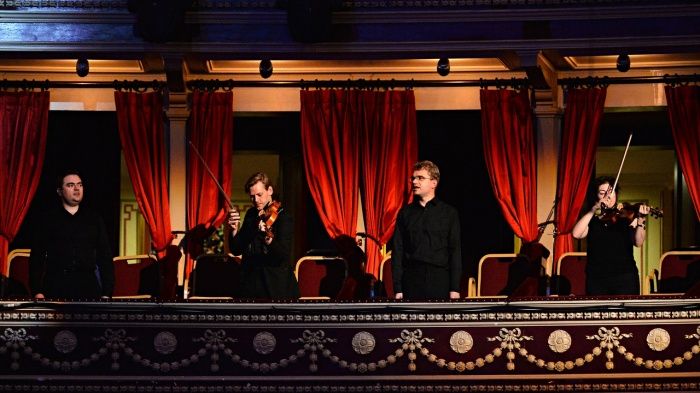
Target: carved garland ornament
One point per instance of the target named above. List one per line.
(116, 342)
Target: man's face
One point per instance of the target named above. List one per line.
(423, 185)
(71, 192)
(259, 195)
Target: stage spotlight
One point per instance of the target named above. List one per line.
(443, 66)
(82, 67)
(265, 68)
(623, 63)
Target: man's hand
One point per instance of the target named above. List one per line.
(234, 220)
(398, 296)
(39, 296)
(454, 295)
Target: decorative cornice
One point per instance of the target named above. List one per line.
(251, 50)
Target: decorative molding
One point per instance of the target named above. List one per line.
(382, 347)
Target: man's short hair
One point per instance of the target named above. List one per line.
(257, 177)
(62, 175)
(429, 166)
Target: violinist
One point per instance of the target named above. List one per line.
(264, 239)
(611, 268)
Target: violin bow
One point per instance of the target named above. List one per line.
(629, 140)
(213, 177)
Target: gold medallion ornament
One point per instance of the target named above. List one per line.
(461, 341)
(65, 341)
(264, 343)
(165, 343)
(658, 339)
(559, 341)
(363, 343)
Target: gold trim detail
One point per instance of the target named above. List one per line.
(658, 339)
(559, 341)
(461, 341)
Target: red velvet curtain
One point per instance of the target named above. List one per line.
(140, 119)
(330, 144)
(509, 150)
(579, 142)
(389, 147)
(24, 120)
(684, 112)
(210, 130)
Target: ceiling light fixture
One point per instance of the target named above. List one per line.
(265, 68)
(623, 63)
(82, 67)
(443, 66)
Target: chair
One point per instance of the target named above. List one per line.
(214, 276)
(17, 273)
(493, 274)
(386, 277)
(136, 276)
(571, 274)
(320, 277)
(471, 287)
(678, 271)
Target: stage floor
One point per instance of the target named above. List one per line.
(629, 344)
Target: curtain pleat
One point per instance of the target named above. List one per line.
(579, 142)
(23, 127)
(210, 130)
(389, 147)
(330, 146)
(140, 122)
(684, 113)
(509, 150)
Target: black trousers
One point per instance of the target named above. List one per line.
(72, 285)
(423, 281)
(614, 284)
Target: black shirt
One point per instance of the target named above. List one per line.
(610, 248)
(266, 269)
(427, 235)
(66, 253)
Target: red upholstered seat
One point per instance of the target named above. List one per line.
(678, 271)
(571, 274)
(17, 273)
(493, 274)
(320, 276)
(386, 277)
(214, 275)
(136, 275)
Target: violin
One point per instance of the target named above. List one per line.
(626, 212)
(269, 214)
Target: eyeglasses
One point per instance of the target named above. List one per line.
(420, 178)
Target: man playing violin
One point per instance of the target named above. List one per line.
(265, 242)
(611, 268)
